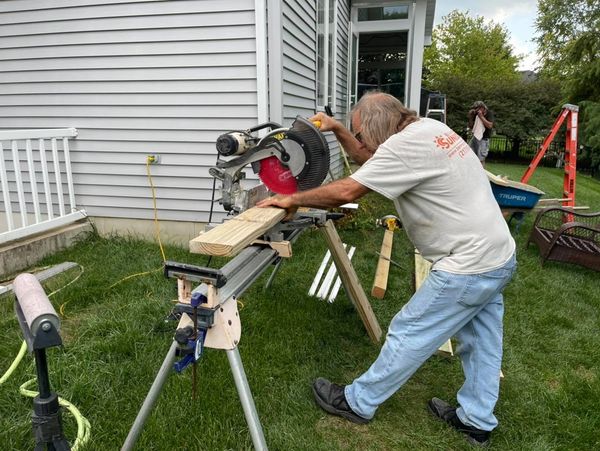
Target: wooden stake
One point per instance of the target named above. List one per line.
(383, 265)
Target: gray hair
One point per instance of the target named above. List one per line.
(479, 104)
(382, 115)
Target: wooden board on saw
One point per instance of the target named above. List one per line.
(229, 238)
(422, 268)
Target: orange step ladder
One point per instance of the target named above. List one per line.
(569, 112)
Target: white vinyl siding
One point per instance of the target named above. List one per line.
(135, 78)
(299, 44)
(299, 59)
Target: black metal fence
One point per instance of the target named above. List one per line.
(506, 150)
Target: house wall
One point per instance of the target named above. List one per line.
(135, 78)
(141, 77)
(298, 53)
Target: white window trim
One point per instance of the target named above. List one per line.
(381, 26)
(262, 87)
(334, 65)
(326, 58)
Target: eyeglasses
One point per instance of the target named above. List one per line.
(358, 137)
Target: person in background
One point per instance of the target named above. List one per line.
(481, 123)
(446, 205)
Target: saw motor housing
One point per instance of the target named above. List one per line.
(286, 160)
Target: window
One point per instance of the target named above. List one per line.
(326, 52)
(383, 13)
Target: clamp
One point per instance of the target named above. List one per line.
(190, 338)
(191, 347)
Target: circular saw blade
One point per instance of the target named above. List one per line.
(277, 177)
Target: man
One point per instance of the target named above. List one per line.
(447, 208)
(481, 122)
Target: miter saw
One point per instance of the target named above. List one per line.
(286, 160)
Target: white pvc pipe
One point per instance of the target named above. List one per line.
(317, 279)
(326, 285)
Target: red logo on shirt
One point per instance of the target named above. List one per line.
(452, 144)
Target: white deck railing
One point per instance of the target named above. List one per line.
(40, 148)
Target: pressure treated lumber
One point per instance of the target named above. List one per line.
(229, 238)
(383, 265)
(422, 268)
(350, 281)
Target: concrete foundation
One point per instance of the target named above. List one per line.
(178, 233)
(19, 255)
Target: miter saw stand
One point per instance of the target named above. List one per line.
(210, 318)
(286, 160)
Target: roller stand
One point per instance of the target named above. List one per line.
(40, 325)
(46, 417)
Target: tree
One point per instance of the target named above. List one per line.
(522, 109)
(470, 48)
(569, 46)
(470, 60)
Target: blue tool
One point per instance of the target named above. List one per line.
(192, 348)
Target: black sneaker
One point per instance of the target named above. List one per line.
(331, 398)
(445, 412)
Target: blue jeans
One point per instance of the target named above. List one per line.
(469, 306)
(481, 147)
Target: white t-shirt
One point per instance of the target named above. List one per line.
(443, 198)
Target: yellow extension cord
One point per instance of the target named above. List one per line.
(156, 229)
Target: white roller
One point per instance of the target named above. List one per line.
(34, 303)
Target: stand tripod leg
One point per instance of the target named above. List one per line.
(273, 274)
(241, 383)
(151, 398)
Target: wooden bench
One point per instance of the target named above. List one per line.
(565, 235)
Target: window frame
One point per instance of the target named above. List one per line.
(328, 96)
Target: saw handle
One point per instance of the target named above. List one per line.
(328, 112)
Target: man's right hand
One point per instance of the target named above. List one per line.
(328, 124)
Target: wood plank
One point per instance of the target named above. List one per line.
(350, 281)
(338, 281)
(227, 239)
(422, 268)
(383, 265)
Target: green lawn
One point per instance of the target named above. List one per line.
(115, 340)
